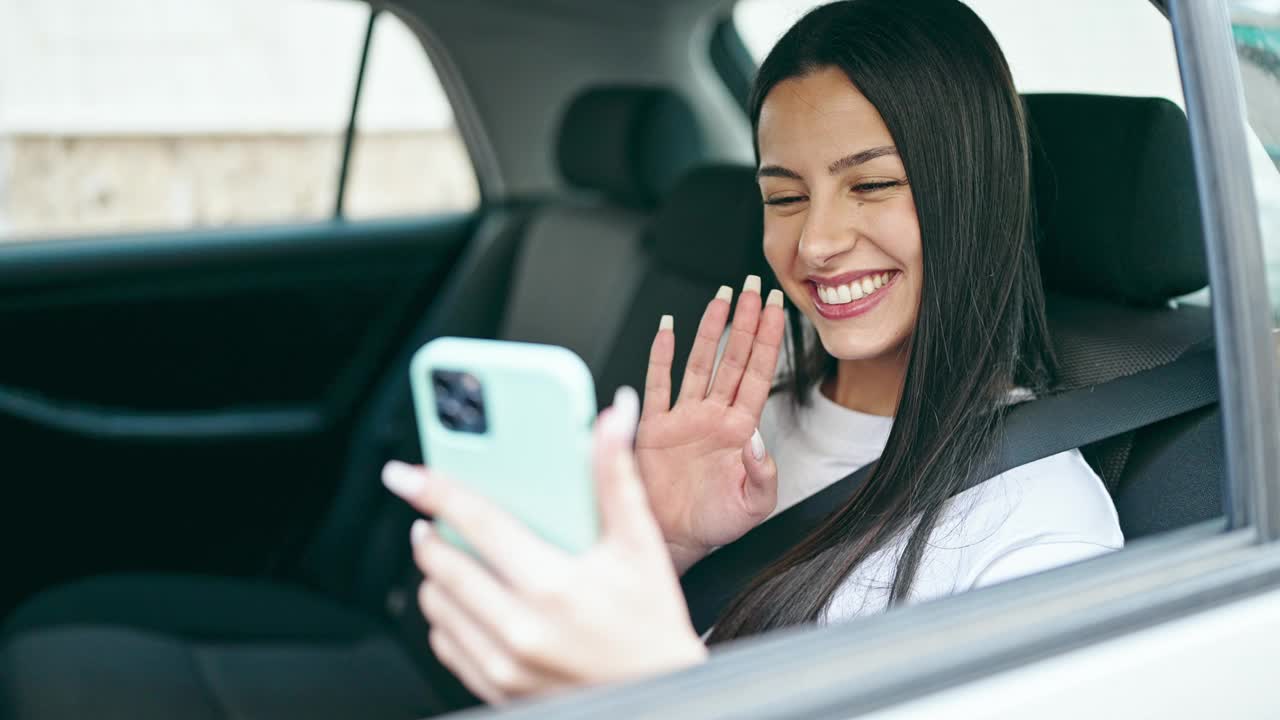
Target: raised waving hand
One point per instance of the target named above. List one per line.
(708, 475)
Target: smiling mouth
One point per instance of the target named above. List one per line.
(867, 285)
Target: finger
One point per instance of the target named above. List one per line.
(761, 491)
(625, 514)
(497, 668)
(501, 541)
(738, 350)
(702, 358)
(450, 654)
(657, 381)
(757, 381)
(479, 593)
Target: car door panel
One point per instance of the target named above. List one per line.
(182, 401)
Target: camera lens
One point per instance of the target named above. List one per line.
(459, 400)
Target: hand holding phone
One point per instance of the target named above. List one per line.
(519, 617)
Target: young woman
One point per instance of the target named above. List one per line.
(894, 172)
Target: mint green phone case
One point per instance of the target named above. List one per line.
(534, 459)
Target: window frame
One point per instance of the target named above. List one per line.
(349, 136)
(1233, 244)
(877, 662)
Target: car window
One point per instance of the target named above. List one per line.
(117, 116)
(1131, 46)
(1255, 26)
(407, 156)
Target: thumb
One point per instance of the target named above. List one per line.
(761, 488)
(624, 505)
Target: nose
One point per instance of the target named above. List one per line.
(828, 233)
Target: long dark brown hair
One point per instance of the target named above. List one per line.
(941, 84)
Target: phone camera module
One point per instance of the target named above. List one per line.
(459, 401)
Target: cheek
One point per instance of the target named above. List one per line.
(899, 236)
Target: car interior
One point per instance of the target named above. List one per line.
(195, 422)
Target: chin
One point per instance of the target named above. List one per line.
(861, 346)
(854, 349)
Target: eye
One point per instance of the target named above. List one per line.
(870, 187)
(787, 200)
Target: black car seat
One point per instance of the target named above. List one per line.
(1121, 239)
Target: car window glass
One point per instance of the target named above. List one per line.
(118, 116)
(407, 156)
(1130, 46)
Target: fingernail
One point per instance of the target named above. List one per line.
(626, 413)
(418, 531)
(666, 323)
(402, 479)
(724, 293)
(775, 298)
(752, 284)
(757, 445)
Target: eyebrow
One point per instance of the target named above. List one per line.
(843, 163)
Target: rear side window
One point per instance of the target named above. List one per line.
(407, 157)
(118, 116)
(1130, 46)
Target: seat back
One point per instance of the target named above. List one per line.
(708, 233)
(1120, 239)
(580, 261)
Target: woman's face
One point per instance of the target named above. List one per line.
(840, 227)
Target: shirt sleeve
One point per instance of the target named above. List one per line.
(1032, 559)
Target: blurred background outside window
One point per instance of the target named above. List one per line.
(124, 115)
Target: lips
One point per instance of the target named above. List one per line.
(829, 294)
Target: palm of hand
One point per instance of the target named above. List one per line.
(692, 461)
(705, 486)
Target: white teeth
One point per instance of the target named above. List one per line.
(856, 290)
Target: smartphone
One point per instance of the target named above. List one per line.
(512, 421)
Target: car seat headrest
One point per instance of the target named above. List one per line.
(710, 226)
(629, 142)
(1116, 202)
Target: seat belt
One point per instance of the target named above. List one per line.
(1032, 430)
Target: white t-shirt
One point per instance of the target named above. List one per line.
(1041, 515)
